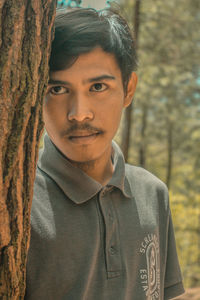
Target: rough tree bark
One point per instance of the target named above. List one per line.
(126, 133)
(26, 31)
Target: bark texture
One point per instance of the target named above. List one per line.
(26, 31)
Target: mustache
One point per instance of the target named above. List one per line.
(78, 127)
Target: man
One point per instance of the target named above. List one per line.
(101, 230)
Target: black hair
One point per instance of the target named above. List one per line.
(80, 30)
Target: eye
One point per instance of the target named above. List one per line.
(58, 90)
(98, 87)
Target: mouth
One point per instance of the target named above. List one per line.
(81, 137)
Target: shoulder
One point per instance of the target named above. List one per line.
(43, 182)
(138, 175)
(42, 210)
(40, 189)
(145, 185)
(44, 186)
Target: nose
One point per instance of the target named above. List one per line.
(80, 109)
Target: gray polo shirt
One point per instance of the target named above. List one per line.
(90, 242)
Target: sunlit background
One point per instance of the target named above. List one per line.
(85, 3)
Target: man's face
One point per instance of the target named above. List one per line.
(83, 105)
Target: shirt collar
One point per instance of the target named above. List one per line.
(118, 178)
(76, 184)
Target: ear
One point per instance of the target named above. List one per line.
(130, 89)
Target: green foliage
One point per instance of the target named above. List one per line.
(169, 91)
(186, 216)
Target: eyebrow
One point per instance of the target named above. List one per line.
(102, 77)
(94, 79)
(52, 81)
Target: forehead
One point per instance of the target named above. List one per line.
(94, 63)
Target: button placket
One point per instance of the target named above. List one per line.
(112, 250)
(112, 245)
(110, 216)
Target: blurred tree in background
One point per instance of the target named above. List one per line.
(165, 135)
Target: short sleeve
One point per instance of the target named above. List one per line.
(173, 279)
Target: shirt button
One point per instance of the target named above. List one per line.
(108, 188)
(112, 250)
(103, 193)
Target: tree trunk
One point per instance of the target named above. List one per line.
(142, 148)
(26, 31)
(169, 153)
(126, 134)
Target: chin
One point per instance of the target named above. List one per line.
(83, 163)
(81, 159)
(85, 153)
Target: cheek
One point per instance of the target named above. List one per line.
(53, 111)
(47, 113)
(110, 116)
(114, 101)
(47, 106)
(116, 106)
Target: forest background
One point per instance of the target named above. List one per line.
(165, 135)
(159, 132)
(165, 117)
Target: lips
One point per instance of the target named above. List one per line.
(82, 134)
(83, 137)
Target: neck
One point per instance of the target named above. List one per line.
(100, 169)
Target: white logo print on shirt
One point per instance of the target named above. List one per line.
(150, 274)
